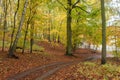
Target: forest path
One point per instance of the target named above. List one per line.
(42, 72)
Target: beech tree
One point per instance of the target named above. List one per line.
(69, 8)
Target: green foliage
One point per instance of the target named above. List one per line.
(6, 44)
(38, 48)
(86, 27)
(27, 46)
(53, 44)
(116, 53)
(89, 64)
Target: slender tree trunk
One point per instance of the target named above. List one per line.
(11, 12)
(69, 35)
(32, 40)
(31, 15)
(26, 32)
(12, 49)
(58, 38)
(43, 33)
(31, 44)
(49, 34)
(59, 32)
(103, 60)
(1, 20)
(5, 23)
(53, 37)
(13, 31)
(49, 26)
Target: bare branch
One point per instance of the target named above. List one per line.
(61, 4)
(75, 3)
(81, 9)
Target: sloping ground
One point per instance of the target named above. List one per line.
(53, 53)
(89, 71)
(52, 48)
(9, 67)
(59, 50)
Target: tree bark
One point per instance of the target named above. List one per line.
(12, 49)
(13, 31)
(49, 27)
(59, 29)
(5, 23)
(26, 32)
(69, 35)
(103, 60)
(32, 39)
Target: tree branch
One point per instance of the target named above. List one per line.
(61, 4)
(81, 9)
(75, 3)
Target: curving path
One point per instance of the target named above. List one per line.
(42, 72)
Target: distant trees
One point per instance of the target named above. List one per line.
(113, 12)
(78, 22)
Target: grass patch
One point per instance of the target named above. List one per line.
(116, 54)
(6, 44)
(38, 48)
(27, 46)
(95, 71)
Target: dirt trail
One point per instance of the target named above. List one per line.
(27, 72)
(42, 72)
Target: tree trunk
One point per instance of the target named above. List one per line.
(49, 26)
(5, 23)
(12, 49)
(13, 31)
(59, 32)
(31, 40)
(25, 37)
(103, 60)
(58, 39)
(69, 35)
(26, 32)
(49, 33)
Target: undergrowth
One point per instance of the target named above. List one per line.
(95, 71)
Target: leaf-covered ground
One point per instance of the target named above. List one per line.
(52, 53)
(9, 67)
(89, 71)
(55, 53)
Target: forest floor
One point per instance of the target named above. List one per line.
(40, 65)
